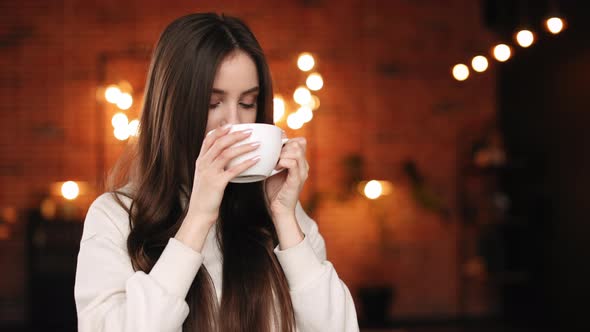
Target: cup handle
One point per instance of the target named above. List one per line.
(274, 171)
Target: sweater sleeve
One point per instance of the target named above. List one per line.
(321, 301)
(110, 295)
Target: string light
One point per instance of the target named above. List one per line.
(119, 120)
(302, 96)
(133, 128)
(460, 72)
(305, 62)
(314, 82)
(112, 93)
(121, 133)
(525, 38)
(305, 113)
(294, 121)
(554, 25)
(125, 101)
(502, 52)
(479, 63)
(314, 102)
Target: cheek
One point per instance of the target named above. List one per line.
(248, 116)
(213, 121)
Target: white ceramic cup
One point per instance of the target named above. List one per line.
(271, 142)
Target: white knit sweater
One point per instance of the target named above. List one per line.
(111, 296)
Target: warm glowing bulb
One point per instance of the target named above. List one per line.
(373, 189)
(125, 86)
(133, 127)
(479, 63)
(314, 82)
(314, 103)
(305, 61)
(554, 25)
(502, 52)
(279, 108)
(305, 113)
(112, 93)
(294, 121)
(125, 101)
(460, 72)
(302, 96)
(119, 120)
(121, 133)
(70, 190)
(525, 38)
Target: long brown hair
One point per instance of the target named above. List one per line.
(255, 294)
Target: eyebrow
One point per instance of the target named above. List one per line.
(251, 90)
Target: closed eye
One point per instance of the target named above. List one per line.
(244, 105)
(214, 105)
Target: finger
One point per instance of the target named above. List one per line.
(303, 168)
(223, 143)
(291, 165)
(296, 144)
(292, 154)
(212, 136)
(241, 167)
(302, 165)
(289, 153)
(230, 153)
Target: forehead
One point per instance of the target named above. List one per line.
(237, 72)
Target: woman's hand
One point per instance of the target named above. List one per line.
(283, 189)
(210, 180)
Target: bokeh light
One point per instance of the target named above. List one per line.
(502, 52)
(373, 189)
(305, 113)
(305, 62)
(133, 127)
(279, 108)
(112, 94)
(479, 63)
(302, 96)
(314, 81)
(525, 38)
(294, 121)
(554, 25)
(70, 190)
(125, 101)
(119, 120)
(460, 72)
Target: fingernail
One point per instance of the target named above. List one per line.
(227, 126)
(247, 131)
(255, 144)
(257, 158)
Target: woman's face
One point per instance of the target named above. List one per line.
(235, 92)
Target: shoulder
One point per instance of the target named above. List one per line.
(108, 216)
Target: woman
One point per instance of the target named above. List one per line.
(178, 247)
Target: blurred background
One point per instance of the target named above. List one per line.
(449, 159)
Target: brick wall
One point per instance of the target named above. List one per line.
(388, 97)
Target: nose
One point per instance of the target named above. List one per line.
(230, 115)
